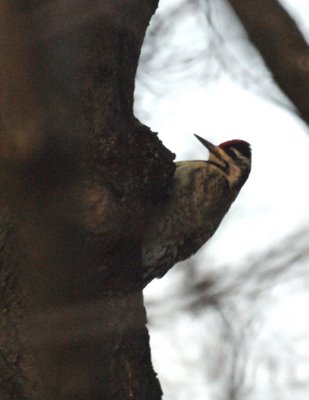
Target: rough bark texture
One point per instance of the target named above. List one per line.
(282, 46)
(77, 173)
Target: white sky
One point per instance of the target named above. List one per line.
(273, 203)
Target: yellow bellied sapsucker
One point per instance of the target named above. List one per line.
(201, 195)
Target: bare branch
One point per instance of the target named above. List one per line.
(282, 46)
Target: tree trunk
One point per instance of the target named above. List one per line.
(77, 174)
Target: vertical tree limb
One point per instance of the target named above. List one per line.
(76, 173)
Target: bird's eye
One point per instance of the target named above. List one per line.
(231, 152)
(235, 148)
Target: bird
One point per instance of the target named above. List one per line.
(201, 194)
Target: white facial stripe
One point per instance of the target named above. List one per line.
(241, 156)
(234, 171)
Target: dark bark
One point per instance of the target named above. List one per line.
(77, 172)
(282, 46)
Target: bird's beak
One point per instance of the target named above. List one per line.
(207, 144)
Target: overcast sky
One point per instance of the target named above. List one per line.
(274, 201)
(220, 104)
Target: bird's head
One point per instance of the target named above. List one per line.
(233, 158)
